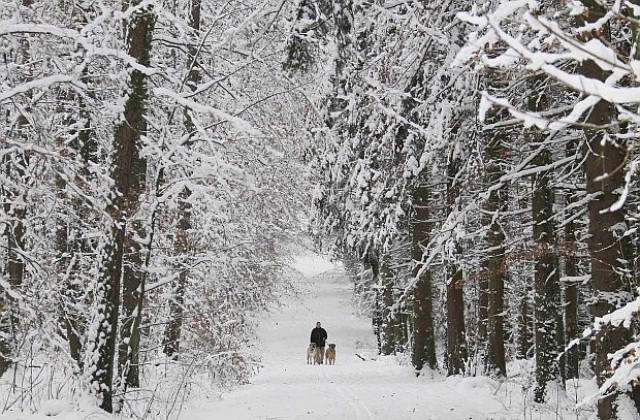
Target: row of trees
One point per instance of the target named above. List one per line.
(146, 184)
(477, 172)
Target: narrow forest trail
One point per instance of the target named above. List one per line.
(287, 388)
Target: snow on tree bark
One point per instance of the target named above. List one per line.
(128, 175)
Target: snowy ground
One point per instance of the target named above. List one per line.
(289, 389)
(378, 388)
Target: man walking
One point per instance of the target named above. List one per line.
(319, 337)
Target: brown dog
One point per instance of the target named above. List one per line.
(311, 353)
(330, 354)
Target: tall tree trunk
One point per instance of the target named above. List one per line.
(494, 264)
(456, 344)
(546, 285)
(128, 137)
(423, 331)
(128, 175)
(456, 354)
(133, 287)
(571, 285)
(604, 160)
(547, 278)
(631, 243)
(103, 345)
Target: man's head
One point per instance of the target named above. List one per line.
(318, 325)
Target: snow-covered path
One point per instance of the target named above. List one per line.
(287, 388)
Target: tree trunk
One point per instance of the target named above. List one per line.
(604, 160)
(524, 342)
(483, 305)
(128, 137)
(456, 344)
(546, 289)
(128, 175)
(176, 305)
(494, 264)
(132, 300)
(456, 354)
(387, 338)
(377, 319)
(547, 278)
(571, 286)
(423, 330)
(104, 342)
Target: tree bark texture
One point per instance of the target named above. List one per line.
(547, 278)
(456, 356)
(456, 353)
(546, 285)
(524, 342)
(604, 160)
(423, 329)
(388, 339)
(494, 263)
(571, 287)
(128, 174)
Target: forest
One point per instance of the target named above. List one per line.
(473, 164)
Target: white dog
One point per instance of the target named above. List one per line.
(311, 353)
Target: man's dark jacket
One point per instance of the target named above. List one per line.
(318, 336)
